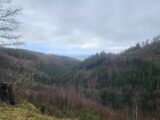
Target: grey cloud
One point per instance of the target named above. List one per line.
(110, 25)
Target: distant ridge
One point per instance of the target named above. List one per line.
(47, 68)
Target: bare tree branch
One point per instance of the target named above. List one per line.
(13, 43)
(9, 13)
(10, 37)
(9, 25)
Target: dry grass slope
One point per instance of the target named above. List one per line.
(23, 111)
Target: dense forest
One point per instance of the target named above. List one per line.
(124, 86)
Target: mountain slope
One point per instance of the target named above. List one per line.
(125, 80)
(24, 64)
(150, 51)
(128, 82)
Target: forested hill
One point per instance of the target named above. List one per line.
(126, 80)
(24, 64)
(150, 51)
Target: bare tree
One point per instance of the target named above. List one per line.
(9, 25)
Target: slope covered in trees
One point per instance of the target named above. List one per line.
(115, 86)
(128, 81)
(19, 64)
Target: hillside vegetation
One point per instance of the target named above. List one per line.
(122, 86)
(48, 69)
(129, 81)
(23, 111)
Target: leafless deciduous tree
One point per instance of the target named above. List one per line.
(9, 25)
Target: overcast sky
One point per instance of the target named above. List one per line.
(80, 28)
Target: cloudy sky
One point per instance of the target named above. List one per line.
(79, 28)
